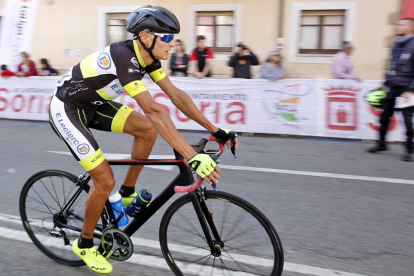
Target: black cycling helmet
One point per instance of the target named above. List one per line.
(155, 19)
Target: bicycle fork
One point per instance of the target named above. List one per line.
(206, 221)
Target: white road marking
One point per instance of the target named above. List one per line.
(321, 174)
(11, 170)
(158, 262)
(255, 169)
(138, 259)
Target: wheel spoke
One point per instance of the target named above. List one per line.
(236, 223)
(50, 193)
(196, 232)
(42, 197)
(226, 210)
(223, 264)
(241, 234)
(245, 235)
(43, 203)
(54, 189)
(64, 194)
(47, 206)
(236, 262)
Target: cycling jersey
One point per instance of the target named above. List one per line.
(105, 75)
(83, 99)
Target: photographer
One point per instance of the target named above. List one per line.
(242, 60)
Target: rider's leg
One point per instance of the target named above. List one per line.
(103, 183)
(144, 138)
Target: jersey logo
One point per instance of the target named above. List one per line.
(104, 61)
(83, 149)
(135, 61)
(133, 71)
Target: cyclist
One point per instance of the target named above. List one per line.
(83, 100)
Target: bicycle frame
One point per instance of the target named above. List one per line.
(184, 178)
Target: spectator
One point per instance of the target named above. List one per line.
(27, 68)
(400, 81)
(179, 60)
(342, 66)
(47, 70)
(272, 69)
(242, 60)
(5, 73)
(201, 57)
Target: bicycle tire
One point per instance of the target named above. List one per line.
(184, 253)
(42, 237)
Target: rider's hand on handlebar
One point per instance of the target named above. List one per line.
(229, 137)
(205, 167)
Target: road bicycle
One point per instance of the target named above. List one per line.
(204, 232)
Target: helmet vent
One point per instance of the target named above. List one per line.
(163, 25)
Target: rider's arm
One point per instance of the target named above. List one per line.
(184, 103)
(163, 124)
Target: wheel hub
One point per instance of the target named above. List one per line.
(218, 245)
(60, 219)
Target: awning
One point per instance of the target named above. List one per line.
(408, 9)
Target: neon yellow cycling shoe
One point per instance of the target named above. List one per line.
(127, 200)
(92, 258)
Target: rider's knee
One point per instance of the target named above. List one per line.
(149, 134)
(105, 184)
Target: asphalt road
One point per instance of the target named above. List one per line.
(335, 221)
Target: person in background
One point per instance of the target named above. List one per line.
(272, 69)
(242, 60)
(5, 73)
(27, 68)
(47, 70)
(342, 66)
(201, 57)
(179, 60)
(399, 82)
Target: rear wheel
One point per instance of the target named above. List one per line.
(248, 243)
(42, 198)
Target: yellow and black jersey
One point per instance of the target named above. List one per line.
(105, 75)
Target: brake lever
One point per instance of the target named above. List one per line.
(233, 147)
(233, 136)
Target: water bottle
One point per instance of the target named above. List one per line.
(118, 208)
(139, 203)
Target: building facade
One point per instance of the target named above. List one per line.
(308, 32)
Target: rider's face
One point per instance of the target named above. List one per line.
(162, 49)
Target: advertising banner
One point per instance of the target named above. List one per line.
(18, 23)
(309, 107)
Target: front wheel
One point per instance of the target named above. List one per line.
(248, 242)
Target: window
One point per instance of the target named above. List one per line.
(218, 28)
(116, 28)
(321, 32)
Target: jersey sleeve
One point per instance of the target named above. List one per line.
(129, 71)
(193, 56)
(210, 53)
(155, 71)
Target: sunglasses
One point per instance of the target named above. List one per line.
(165, 37)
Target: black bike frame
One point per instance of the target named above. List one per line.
(184, 178)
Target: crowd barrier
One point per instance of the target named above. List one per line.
(309, 107)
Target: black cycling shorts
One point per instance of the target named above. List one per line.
(72, 125)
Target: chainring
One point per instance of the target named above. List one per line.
(115, 244)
